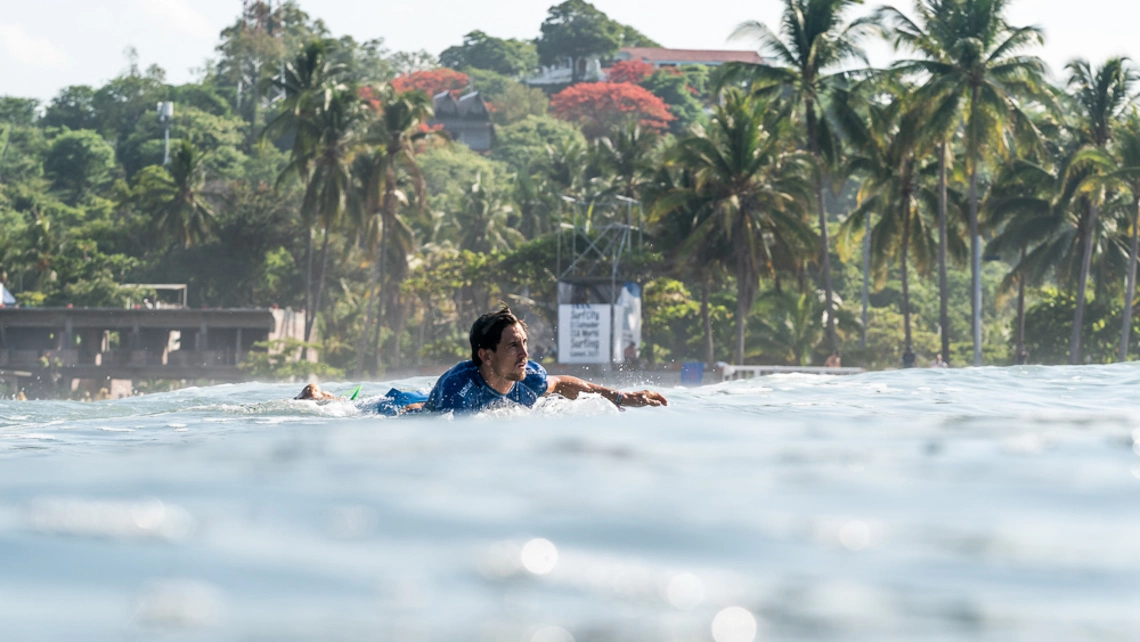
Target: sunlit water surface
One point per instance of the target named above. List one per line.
(976, 504)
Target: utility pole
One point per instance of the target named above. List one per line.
(165, 116)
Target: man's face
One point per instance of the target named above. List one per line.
(508, 360)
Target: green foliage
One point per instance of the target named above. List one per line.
(576, 29)
(281, 360)
(73, 108)
(18, 111)
(510, 100)
(78, 163)
(681, 96)
(672, 328)
(1049, 322)
(450, 170)
(523, 145)
(509, 57)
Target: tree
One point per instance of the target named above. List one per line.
(977, 71)
(522, 144)
(755, 189)
(630, 71)
(1100, 96)
(626, 156)
(73, 108)
(509, 100)
(1128, 153)
(576, 30)
(79, 162)
(814, 43)
(175, 197)
(673, 86)
(307, 83)
(484, 220)
(510, 57)
(599, 107)
(18, 111)
(432, 82)
(886, 150)
(397, 131)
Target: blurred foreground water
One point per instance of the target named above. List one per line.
(976, 504)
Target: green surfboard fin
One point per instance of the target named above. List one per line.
(355, 391)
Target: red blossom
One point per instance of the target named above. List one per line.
(432, 81)
(631, 71)
(598, 106)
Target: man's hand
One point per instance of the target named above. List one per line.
(643, 398)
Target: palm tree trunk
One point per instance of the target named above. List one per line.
(362, 346)
(1082, 283)
(1020, 310)
(824, 242)
(943, 290)
(706, 322)
(975, 270)
(743, 303)
(379, 310)
(320, 281)
(975, 267)
(905, 275)
(1130, 285)
(308, 292)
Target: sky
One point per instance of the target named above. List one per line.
(46, 45)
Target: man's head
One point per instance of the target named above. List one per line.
(313, 391)
(499, 342)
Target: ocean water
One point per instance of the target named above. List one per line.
(984, 504)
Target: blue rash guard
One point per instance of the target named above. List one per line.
(462, 389)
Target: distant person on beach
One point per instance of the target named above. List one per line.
(500, 372)
(1022, 357)
(938, 362)
(908, 358)
(833, 361)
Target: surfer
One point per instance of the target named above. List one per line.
(500, 371)
(313, 391)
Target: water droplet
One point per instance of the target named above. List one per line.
(685, 591)
(539, 556)
(734, 624)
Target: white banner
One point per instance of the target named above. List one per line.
(584, 333)
(627, 324)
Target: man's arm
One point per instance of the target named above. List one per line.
(571, 387)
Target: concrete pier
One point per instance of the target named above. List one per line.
(96, 346)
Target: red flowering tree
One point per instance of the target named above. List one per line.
(630, 71)
(432, 81)
(598, 106)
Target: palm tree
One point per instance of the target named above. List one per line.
(400, 126)
(885, 154)
(1128, 153)
(755, 190)
(977, 73)
(175, 195)
(307, 82)
(678, 210)
(484, 220)
(329, 140)
(1101, 97)
(814, 42)
(625, 153)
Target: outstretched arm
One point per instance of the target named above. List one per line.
(571, 387)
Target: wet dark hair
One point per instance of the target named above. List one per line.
(487, 330)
